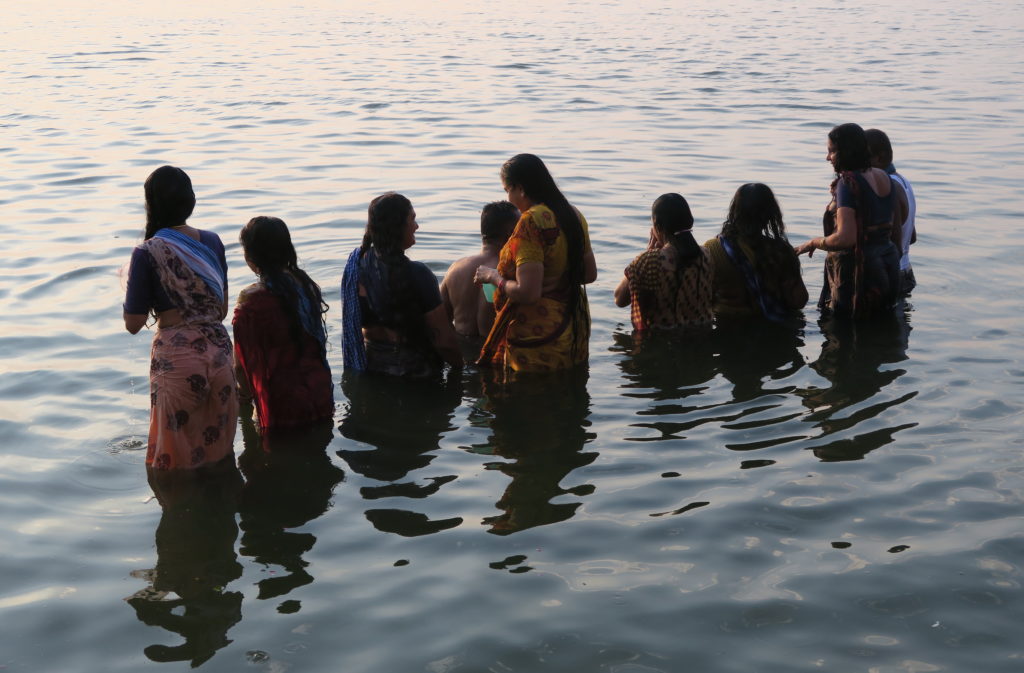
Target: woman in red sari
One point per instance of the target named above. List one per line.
(280, 334)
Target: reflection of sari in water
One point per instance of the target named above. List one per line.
(544, 335)
(290, 380)
(402, 421)
(192, 384)
(853, 359)
(289, 482)
(540, 426)
(195, 546)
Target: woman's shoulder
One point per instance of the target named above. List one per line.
(252, 294)
(540, 216)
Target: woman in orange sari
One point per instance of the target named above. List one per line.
(543, 320)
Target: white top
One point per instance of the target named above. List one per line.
(908, 224)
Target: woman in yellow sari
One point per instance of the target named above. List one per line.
(543, 320)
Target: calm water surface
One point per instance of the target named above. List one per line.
(814, 499)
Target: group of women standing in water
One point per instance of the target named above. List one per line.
(394, 320)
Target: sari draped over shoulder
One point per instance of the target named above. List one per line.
(864, 280)
(772, 306)
(193, 406)
(547, 335)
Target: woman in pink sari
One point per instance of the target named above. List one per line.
(179, 275)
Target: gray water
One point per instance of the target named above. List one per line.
(826, 499)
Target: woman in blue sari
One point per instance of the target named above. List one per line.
(178, 274)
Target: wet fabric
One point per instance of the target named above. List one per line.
(864, 280)
(193, 405)
(352, 350)
(545, 335)
(144, 289)
(660, 299)
(290, 381)
(771, 304)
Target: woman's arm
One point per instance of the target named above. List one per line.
(525, 289)
(133, 322)
(589, 267)
(442, 335)
(844, 237)
(622, 294)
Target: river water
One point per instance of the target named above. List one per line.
(827, 499)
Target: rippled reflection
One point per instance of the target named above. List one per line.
(195, 545)
(540, 426)
(289, 482)
(854, 359)
(403, 420)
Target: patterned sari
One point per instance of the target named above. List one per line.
(193, 407)
(543, 336)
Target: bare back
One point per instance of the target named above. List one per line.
(464, 300)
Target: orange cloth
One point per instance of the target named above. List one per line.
(541, 336)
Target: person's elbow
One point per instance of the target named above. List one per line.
(589, 269)
(133, 322)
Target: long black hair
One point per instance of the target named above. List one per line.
(386, 221)
(268, 246)
(850, 145)
(169, 199)
(672, 218)
(528, 172)
(755, 218)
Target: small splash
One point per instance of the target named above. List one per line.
(257, 657)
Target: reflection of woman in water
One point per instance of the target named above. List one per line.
(287, 485)
(280, 335)
(542, 428)
(195, 546)
(402, 421)
(180, 275)
(854, 359)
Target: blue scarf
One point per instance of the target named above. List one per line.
(198, 257)
(771, 307)
(352, 347)
(308, 317)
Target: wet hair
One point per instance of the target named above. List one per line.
(672, 218)
(386, 220)
(385, 224)
(754, 214)
(529, 172)
(497, 220)
(879, 145)
(755, 218)
(851, 148)
(169, 199)
(268, 246)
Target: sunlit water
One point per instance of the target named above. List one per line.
(824, 499)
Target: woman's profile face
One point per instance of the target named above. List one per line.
(830, 156)
(517, 197)
(409, 235)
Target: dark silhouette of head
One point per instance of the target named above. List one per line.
(880, 148)
(169, 199)
(850, 148)
(386, 220)
(497, 220)
(754, 213)
(672, 219)
(268, 244)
